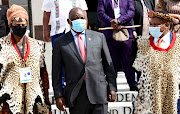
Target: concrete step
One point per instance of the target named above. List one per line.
(120, 75)
(123, 87)
(113, 108)
(121, 80)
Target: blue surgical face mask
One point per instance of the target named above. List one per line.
(79, 25)
(155, 31)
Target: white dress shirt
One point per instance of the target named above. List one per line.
(166, 41)
(116, 7)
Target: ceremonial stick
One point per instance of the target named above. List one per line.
(123, 27)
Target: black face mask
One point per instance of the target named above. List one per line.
(19, 30)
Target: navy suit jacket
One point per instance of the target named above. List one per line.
(105, 13)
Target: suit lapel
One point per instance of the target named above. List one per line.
(70, 41)
(111, 4)
(88, 43)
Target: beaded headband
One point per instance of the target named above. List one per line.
(152, 14)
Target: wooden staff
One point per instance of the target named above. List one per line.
(123, 27)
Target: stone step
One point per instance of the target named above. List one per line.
(120, 75)
(123, 87)
(121, 81)
(113, 108)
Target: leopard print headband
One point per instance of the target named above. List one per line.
(152, 14)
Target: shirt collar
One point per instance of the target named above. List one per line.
(74, 33)
(165, 38)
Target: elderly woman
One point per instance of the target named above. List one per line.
(22, 61)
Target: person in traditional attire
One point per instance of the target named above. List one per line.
(23, 76)
(158, 61)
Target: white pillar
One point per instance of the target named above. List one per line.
(156, 2)
(37, 18)
(37, 13)
(0, 2)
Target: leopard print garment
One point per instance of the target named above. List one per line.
(158, 84)
(22, 96)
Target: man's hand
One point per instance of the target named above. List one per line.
(60, 103)
(46, 35)
(112, 96)
(134, 34)
(177, 18)
(176, 21)
(114, 23)
(118, 27)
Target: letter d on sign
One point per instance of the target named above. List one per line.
(127, 110)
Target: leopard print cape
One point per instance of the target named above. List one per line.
(22, 97)
(158, 83)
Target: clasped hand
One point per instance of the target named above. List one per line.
(115, 24)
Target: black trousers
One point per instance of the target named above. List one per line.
(82, 104)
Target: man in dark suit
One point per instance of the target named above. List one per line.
(117, 13)
(89, 74)
(142, 7)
